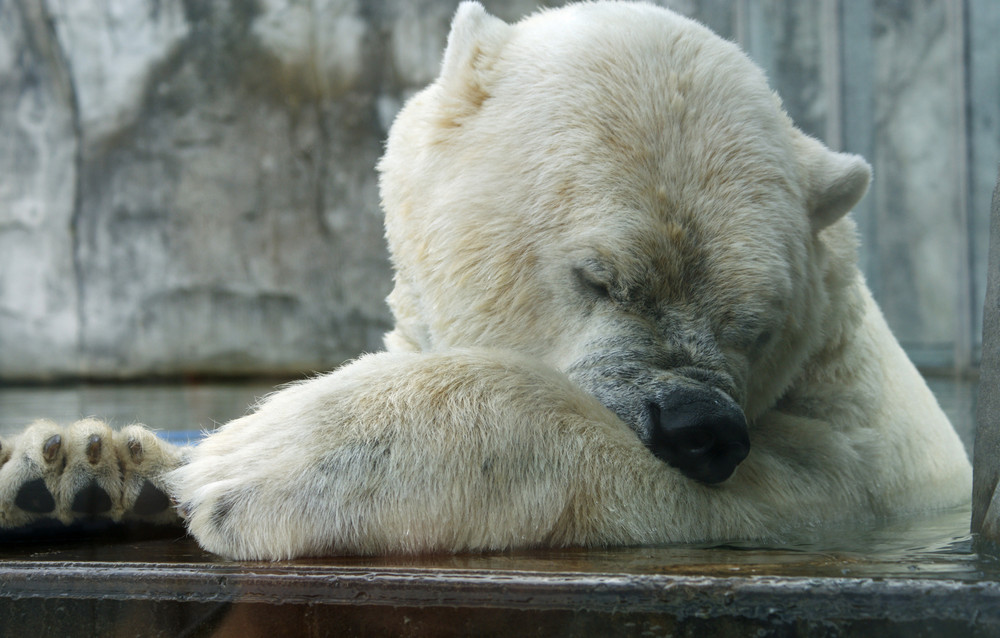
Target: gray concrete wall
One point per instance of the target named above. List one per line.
(986, 454)
(189, 187)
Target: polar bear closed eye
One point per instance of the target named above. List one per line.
(627, 311)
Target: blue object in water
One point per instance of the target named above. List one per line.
(181, 437)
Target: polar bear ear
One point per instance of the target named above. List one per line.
(837, 181)
(475, 39)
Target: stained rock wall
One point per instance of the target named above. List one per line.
(986, 457)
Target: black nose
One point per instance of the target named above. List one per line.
(700, 432)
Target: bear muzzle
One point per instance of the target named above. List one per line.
(698, 431)
(685, 415)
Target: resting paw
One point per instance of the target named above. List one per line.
(85, 472)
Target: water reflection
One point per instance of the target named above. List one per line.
(938, 544)
(191, 406)
(958, 400)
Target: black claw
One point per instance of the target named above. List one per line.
(35, 497)
(94, 449)
(150, 500)
(50, 449)
(135, 450)
(91, 500)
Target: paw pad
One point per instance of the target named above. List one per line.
(150, 501)
(35, 497)
(91, 500)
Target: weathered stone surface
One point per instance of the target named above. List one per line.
(986, 455)
(920, 210)
(190, 187)
(39, 321)
(984, 135)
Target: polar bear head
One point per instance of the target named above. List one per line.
(613, 189)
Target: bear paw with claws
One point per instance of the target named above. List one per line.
(86, 472)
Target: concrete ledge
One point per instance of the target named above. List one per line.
(638, 591)
(754, 597)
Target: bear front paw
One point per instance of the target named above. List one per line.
(85, 472)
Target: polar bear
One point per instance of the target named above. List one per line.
(628, 311)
